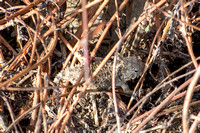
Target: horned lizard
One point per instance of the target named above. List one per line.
(127, 68)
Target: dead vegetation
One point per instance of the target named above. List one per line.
(39, 39)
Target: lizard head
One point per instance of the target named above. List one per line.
(131, 68)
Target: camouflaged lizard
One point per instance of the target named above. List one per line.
(127, 68)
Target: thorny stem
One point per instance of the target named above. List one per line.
(21, 11)
(188, 38)
(114, 70)
(187, 100)
(52, 45)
